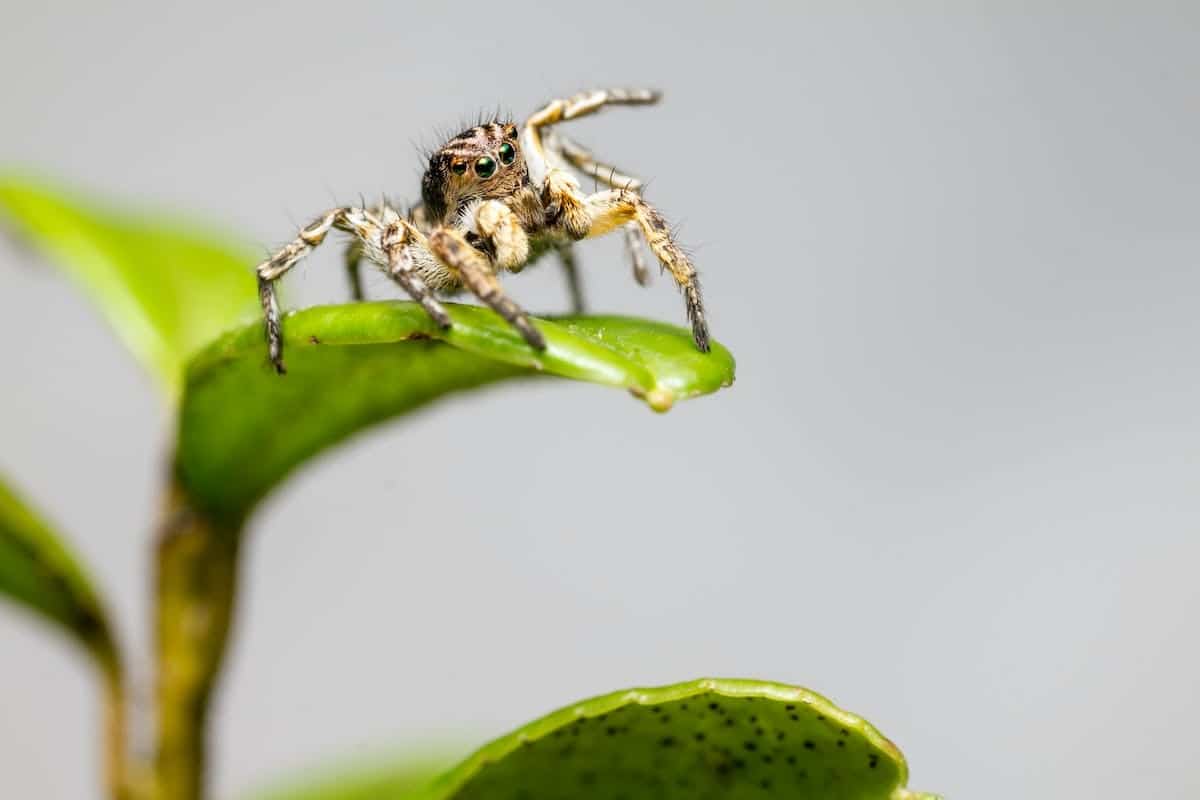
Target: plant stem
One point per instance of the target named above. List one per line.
(196, 581)
(117, 767)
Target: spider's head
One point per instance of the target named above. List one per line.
(482, 162)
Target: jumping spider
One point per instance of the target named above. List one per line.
(496, 198)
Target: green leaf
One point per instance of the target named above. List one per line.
(714, 739)
(166, 286)
(37, 571)
(243, 428)
(728, 739)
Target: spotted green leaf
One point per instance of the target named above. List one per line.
(39, 572)
(243, 428)
(167, 287)
(710, 739)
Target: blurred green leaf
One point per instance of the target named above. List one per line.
(243, 428)
(710, 739)
(166, 286)
(388, 779)
(37, 571)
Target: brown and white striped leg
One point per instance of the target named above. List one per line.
(582, 159)
(356, 221)
(562, 110)
(401, 244)
(452, 249)
(566, 256)
(615, 208)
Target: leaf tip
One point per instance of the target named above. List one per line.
(659, 398)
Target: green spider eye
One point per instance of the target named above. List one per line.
(508, 154)
(485, 167)
(459, 168)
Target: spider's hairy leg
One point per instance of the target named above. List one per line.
(451, 248)
(562, 110)
(402, 246)
(356, 221)
(566, 257)
(352, 258)
(499, 227)
(582, 159)
(615, 208)
(633, 246)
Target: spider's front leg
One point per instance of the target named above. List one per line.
(451, 248)
(402, 246)
(377, 238)
(356, 221)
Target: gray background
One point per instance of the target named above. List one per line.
(954, 249)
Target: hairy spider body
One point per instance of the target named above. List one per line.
(494, 198)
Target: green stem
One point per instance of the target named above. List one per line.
(197, 575)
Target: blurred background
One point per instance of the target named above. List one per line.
(953, 247)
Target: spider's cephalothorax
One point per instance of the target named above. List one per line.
(494, 198)
(482, 162)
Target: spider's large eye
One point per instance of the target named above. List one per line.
(508, 154)
(459, 167)
(485, 167)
